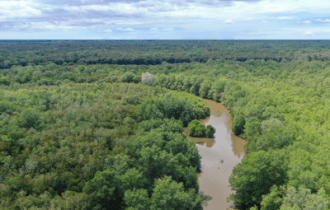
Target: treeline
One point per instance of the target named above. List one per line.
(94, 146)
(155, 52)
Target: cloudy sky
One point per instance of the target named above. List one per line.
(165, 19)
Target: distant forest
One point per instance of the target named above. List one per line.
(155, 52)
(76, 133)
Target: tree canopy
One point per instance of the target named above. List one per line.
(74, 117)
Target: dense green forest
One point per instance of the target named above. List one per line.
(156, 52)
(98, 146)
(68, 128)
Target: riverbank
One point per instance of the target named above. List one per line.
(219, 155)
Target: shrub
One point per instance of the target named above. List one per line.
(209, 131)
(197, 129)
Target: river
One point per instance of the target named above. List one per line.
(219, 156)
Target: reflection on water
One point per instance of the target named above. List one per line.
(209, 142)
(219, 156)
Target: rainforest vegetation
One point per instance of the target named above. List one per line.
(76, 134)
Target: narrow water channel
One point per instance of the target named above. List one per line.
(219, 156)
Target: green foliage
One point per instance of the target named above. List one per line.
(197, 129)
(303, 199)
(210, 130)
(137, 199)
(102, 191)
(128, 77)
(204, 89)
(261, 171)
(216, 89)
(14, 183)
(171, 125)
(29, 118)
(167, 134)
(4, 81)
(151, 109)
(169, 195)
(157, 163)
(173, 104)
(274, 199)
(238, 124)
(6, 107)
(106, 190)
(79, 146)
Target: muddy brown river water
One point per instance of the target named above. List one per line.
(219, 156)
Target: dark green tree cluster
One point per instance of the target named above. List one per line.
(198, 129)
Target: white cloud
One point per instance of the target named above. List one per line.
(19, 9)
(51, 26)
(168, 29)
(324, 21)
(187, 18)
(308, 33)
(156, 29)
(125, 29)
(286, 18)
(228, 21)
(123, 8)
(242, 10)
(91, 1)
(123, 22)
